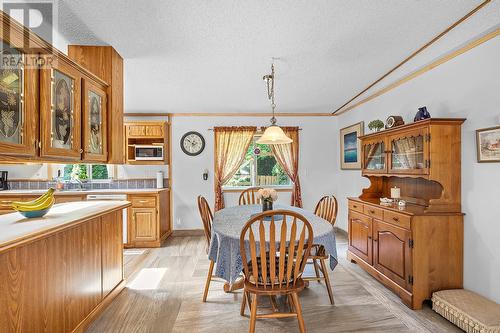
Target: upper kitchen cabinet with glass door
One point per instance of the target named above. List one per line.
(374, 155)
(409, 152)
(60, 110)
(94, 121)
(18, 99)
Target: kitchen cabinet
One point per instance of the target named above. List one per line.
(149, 221)
(94, 104)
(143, 225)
(107, 64)
(60, 111)
(18, 97)
(147, 133)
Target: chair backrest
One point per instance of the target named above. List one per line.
(206, 217)
(279, 264)
(327, 208)
(249, 196)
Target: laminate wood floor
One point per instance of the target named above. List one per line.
(165, 286)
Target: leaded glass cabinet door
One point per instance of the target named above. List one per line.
(18, 102)
(374, 156)
(60, 91)
(410, 152)
(94, 122)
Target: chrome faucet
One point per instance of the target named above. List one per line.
(79, 182)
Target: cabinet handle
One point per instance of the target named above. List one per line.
(369, 237)
(143, 201)
(81, 151)
(371, 211)
(354, 206)
(395, 219)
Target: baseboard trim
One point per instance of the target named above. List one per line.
(188, 232)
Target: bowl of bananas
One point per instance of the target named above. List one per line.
(36, 208)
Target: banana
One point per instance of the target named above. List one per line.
(47, 203)
(35, 202)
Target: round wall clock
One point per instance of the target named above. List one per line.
(192, 143)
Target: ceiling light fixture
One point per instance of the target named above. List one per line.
(273, 134)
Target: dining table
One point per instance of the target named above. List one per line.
(227, 224)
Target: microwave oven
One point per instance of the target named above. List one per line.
(149, 153)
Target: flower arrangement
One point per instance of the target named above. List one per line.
(267, 196)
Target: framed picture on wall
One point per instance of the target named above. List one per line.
(488, 144)
(350, 146)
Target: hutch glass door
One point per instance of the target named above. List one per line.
(409, 152)
(374, 156)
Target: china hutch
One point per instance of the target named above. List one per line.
(417, 248)
(52, 109)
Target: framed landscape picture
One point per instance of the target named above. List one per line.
(488, 144)
(350, 146)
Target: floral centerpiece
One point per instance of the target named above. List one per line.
(267, 196)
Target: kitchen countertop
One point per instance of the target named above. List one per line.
(94, 191)
(15, 229)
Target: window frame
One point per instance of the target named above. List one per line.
(253, 176)
(111, 172)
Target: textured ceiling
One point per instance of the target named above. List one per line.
(210, 55)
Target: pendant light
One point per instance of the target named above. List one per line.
(273, 135)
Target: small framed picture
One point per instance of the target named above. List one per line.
(488, 144)
(350, 146)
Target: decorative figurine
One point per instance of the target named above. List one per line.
(422, 114)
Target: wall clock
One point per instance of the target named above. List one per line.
(192, 143)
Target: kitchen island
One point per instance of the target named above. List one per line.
(59, 271)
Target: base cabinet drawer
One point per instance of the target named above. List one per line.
(373, 212)
(400, 220)
(356, 206)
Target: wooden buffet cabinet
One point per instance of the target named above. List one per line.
(416, 249)
(59, 275)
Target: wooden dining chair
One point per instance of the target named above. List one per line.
(326, 208)
(206, 218)
(277, 269)
(249, 196)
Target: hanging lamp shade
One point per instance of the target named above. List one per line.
(274, 135)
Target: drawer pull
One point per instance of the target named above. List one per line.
(143, 201)
(354, 206)
(372, 211)
(395, 219)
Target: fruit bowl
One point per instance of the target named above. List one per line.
(34, 213)
(36, 208)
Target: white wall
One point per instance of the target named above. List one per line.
(317, 158)
(467, 86)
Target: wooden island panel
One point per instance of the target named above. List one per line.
(60, 282)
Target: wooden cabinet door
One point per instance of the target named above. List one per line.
(94, 122)
(144, 225)
(68, 198)
(60, 110)
(409, 152)
(392, 254)
(374, 155)
(18, 99)
(154, 131)
(360, 236)
(136, 131)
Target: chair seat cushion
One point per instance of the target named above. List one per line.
(469, 311)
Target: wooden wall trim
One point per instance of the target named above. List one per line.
(228, 114)
(411, 76)
(411, 56)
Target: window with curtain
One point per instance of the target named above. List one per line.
(259, 168)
